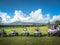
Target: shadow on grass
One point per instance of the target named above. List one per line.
(43, 35)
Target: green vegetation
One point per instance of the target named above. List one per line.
(57, 22)
(30, 40)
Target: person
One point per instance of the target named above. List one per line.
(52, 31)
(58, 29)
(3, 33)
(25, 32)
(13, 32)
(37, 32)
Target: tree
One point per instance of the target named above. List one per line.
(57, 22)
(48, 24)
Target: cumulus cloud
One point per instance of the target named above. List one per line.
(19, 16)
(35, 16)
(55, 18)
(5, 17)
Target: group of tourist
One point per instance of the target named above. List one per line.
(24, 33)
(52, 31)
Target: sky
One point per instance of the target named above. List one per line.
(29, 11)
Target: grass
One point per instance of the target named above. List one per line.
(30, 40)
(30, 29)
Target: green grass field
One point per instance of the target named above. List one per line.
(30, 40)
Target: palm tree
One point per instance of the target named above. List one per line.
(48, 23)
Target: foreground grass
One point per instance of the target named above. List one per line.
(30, 40)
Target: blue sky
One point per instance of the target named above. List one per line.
(51, 7)
(48, 6)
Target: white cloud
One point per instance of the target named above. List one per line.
(34, 16)
(19, 16)
(5, 17)
(55, 18)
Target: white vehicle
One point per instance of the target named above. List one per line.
(3, 33)
(13, 33)
(58, 29)
(25, 32)
(37, 32)
(52, 31)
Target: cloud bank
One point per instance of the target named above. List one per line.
(35, 17)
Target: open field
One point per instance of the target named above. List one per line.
(30, 29)
(30, 40)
